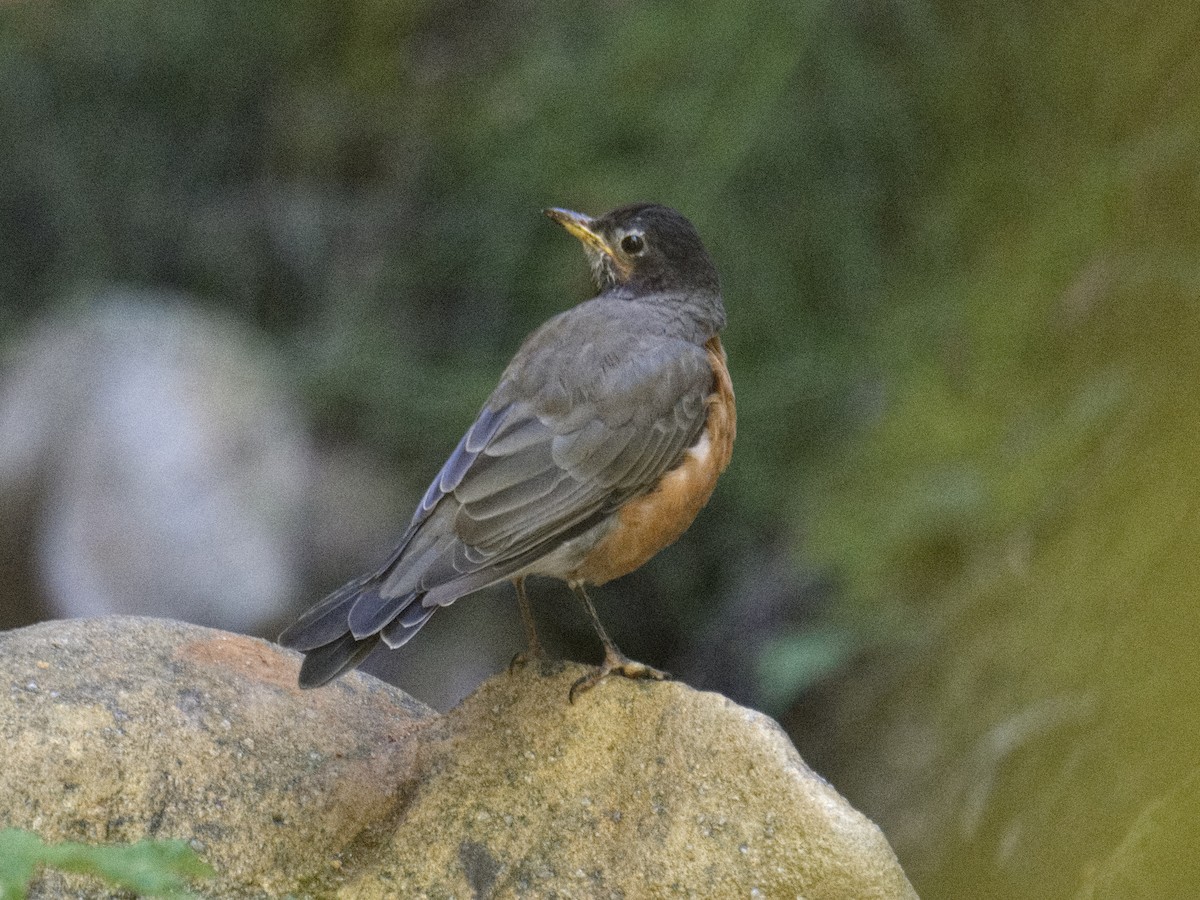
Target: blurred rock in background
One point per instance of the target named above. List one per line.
(153, 462)
(161, 466)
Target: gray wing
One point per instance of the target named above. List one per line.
(579, 424)
(591, 412)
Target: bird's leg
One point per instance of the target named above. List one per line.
(614, 659)
(533, 649)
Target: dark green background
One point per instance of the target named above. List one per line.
(958, 548)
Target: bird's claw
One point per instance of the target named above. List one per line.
(615, 664)
(523, 658)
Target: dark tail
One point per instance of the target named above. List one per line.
(324, 635)
(325, 663)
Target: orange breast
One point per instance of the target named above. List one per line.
(655, 520)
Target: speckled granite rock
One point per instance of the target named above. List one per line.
(116, 729)
(120, 728)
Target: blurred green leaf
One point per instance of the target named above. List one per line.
(150, 868)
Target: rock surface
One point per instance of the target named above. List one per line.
(117, 729)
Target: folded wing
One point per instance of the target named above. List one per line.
(547, 459)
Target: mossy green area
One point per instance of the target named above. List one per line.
(960, 246)
(1017, 524)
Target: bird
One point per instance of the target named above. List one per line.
(599, 446)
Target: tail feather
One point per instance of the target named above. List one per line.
(323, 664)
(402, 629)
(325, 622)
(324, 634)
(368, 613)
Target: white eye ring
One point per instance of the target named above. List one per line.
(633, 243)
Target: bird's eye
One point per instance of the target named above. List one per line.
(633, 244)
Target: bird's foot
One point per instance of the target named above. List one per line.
(534, 655)
(615, 663)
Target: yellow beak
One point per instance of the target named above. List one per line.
(581, 226)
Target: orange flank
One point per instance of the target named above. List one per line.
(647, 524)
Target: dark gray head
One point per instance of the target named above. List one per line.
(648, 247)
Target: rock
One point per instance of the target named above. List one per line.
(637, 789)
(161, 464)
(117, 729)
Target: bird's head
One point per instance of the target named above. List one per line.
(644, 245)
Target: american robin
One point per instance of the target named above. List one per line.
(601, 443)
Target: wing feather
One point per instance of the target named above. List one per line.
(555, 450)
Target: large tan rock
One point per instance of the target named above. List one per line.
(120, 728)
(116, 729)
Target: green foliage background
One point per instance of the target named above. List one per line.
(959, 248)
